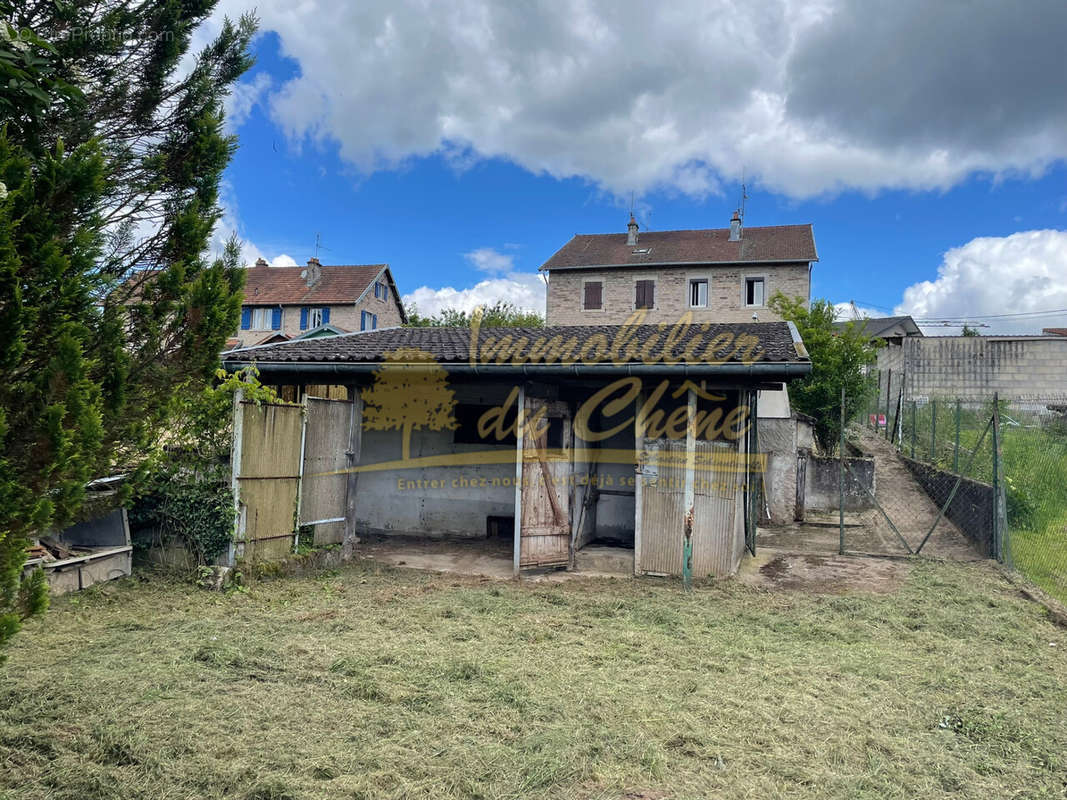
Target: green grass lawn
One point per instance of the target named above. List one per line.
(368, 684)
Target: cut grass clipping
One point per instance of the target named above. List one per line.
(382, 684)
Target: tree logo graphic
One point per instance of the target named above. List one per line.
(410, 391)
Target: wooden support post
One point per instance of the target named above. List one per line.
(520, 425)
(639, 489)
(352, 459)
(689, 492)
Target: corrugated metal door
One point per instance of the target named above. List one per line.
(661, 470)
(545, 530)
(324, 481)
(267, 477)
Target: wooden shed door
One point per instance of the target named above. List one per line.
(662, 474)
(545, 530)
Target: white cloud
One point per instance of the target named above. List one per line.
(524, 290)
(244, 97)
(490, 260)
(1023, 272)
(808, 96)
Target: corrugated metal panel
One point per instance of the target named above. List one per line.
(267, 478)
(323, 490)
(715, 529)
(662, 516)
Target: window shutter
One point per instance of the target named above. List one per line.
(325, 316)
(374, 322)
(303, 319)
(646, 294)
(275, 319)
(246, 318)
(594, 295)
(363, 320)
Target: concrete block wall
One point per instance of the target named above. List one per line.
(974, 367)
(726, 286)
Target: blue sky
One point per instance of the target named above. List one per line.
(470, 183)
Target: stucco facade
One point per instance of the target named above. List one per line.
(726, 292)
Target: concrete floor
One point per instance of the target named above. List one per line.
(490, 558)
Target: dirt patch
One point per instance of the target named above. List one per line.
(824, 574)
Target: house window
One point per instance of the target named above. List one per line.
(314, 317)
(368, 321)
(593, 296)
(698, 293)
(380, 290)
(754, 290)
(261, 319)
(645, 294)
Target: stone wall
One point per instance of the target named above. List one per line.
(726, 286)
(971, 509)
(822, 487)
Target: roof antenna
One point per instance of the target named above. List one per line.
(744, 197)
(318, 244)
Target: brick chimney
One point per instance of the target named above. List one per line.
(313, 272)
(735, 227)
(631, 231)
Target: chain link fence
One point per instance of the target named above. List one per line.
(995, 470)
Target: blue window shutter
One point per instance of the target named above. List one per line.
(275, 319)
(374, 322)
(246, 318)
(303, 319)
(363, 320)
(325, 316)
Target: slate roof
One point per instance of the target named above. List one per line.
(877, 327)
(758, 245)
(775, 344)
(284, 286)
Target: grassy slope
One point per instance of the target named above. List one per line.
(367, 684)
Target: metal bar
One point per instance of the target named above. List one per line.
(882, 510)
(323, 521)
(956, 451)
(639, 485)
(888, 391)
(952, 494)
(268, 477)
(841, 477)
(998, 512)
(933, 431)
(914, 425)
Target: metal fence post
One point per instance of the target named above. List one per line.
(841, 479)
(914, 427)
(888, 392)
(956, 452)
(933, 430)
(998, 519)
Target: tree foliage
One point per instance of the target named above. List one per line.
(111, 152)
(186, 487)
(839, 359)
(501, 314)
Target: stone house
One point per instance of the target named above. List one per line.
(719, 275)
(282, 303)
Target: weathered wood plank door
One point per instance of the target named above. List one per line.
(661, 470)
(545, 529)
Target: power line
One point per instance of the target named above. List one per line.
(1051, 312)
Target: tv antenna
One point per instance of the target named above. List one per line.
(744, 197)
(318, 244)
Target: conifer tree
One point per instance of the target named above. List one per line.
(112, 148)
